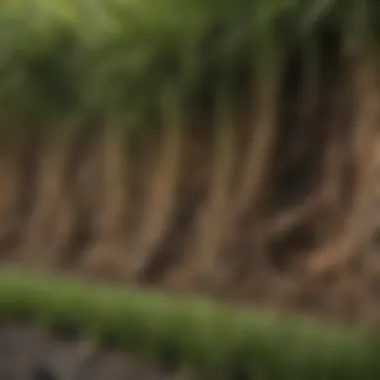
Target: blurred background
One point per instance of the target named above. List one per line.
(227, 148)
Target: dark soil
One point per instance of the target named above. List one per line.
(30, 353)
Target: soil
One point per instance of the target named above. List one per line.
(30, 353)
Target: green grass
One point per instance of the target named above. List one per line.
(191, 332)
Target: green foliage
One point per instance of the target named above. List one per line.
(119, 57)
(191, 332)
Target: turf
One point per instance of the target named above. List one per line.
(193, 332)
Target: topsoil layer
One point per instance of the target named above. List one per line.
(29, 353)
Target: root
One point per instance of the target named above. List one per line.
(288, 220)
(11, 162)
(51, 219)
(256, 170)
(160, 205)
(355, 232)
(110, 206)
(85, 193)
(213, 221)
(307, 98)
(114, 202)
(335, 165)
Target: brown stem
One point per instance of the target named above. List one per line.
(11, 162)
(288, 220)
(355, 232)
(214, 219)
(334, 164)
(161, 201)
(307, 104)
(108, 230)
(255, 173)
(113, 205)
(51, 220)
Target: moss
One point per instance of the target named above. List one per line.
(190, 331)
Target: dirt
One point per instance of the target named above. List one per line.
(30, 353)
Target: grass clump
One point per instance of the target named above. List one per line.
(191, 332)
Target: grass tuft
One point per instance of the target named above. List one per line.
(191, 332)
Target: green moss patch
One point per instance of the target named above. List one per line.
(189, 332)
